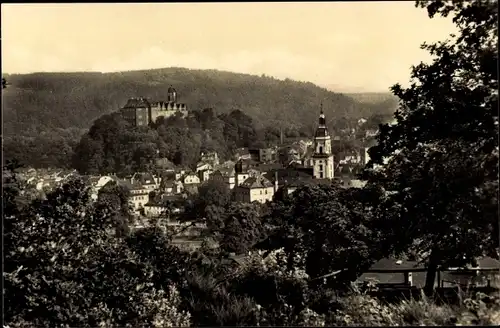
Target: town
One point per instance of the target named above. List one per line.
(250, 164)
(254, 175)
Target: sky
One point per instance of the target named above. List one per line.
(343, 46)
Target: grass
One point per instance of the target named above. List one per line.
(472, 309)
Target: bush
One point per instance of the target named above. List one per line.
(362, 309)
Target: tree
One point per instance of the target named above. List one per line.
(442, 154)
(242, 228)
(116, 199)
(212, 193)
(62, 250)
(327, 225)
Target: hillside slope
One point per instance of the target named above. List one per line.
(38, 102)
(374, 97)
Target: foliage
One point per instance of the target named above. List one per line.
(45, 113)
(116, 199)
(41, 101)
(442, 155)
(362, 309)
(53, 148)
(242, 228)
(327, 225)
(62, 251)
(112, 146)
(212, 195)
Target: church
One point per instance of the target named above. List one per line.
(261, 186)
(322, 157)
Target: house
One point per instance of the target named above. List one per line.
(211, 158)
(289, 153)
(204, 175)
(97, 183)
(392, 273)
(226, 175)
(242, 153)
(139, 195)
(147, 180)
(190, 179)
(254, 189)
(154, 208)
(179, 175)
(171, 187)
(169, 184)
(243, 170)
(267, 155)
(291, 177)
(202, 166)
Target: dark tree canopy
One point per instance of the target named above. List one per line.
(442, 154)
(327, 225)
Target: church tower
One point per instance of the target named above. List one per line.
(322, 158)
(172, 95)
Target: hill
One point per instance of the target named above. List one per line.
(39, 102)
(374, 97)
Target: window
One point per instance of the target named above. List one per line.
(321, 175)
(321, 149)
(266, 191)
(321, 167)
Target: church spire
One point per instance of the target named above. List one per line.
(322, 120)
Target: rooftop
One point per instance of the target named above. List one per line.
(256, 182)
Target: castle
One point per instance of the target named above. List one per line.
(141, 112)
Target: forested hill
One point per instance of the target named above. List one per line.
(374, 97)
(48, 101)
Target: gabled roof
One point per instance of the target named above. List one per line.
(226, 171)
(144, 177)
(129, 185)
(137, 103)
(256, 182)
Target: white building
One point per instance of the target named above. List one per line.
(322, 158)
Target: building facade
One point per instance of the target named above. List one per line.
(141, 112)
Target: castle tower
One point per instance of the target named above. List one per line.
(172, 95)
(322, 158)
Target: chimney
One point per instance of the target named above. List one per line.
(281, 136)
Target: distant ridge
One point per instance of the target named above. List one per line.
(36, 102)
